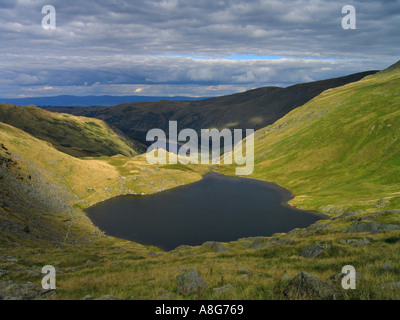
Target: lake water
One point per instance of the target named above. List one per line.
(216, 208)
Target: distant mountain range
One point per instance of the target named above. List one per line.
(88, 101)
(252, 109)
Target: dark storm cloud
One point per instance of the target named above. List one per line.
(175, 45)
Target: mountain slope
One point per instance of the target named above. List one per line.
(339, 151)
(43, 190)
(253, 109)
(76, 136)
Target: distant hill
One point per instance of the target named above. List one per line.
(253, 109)
(341, 150)
(87, 101)
(76, 136)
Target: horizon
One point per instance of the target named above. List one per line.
(137, 98)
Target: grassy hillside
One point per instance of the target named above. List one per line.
(43, 192)
(41, 186)
(76, 136)
(253, 109)
(341, 150)
(338, 152)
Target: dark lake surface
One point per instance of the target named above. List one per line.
(216, 208)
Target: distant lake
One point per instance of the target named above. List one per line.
(216, 208)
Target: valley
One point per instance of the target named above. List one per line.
(334, 144)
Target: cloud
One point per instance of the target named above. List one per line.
(178, 44)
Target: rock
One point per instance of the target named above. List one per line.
(356, 242)
(89, 263)
(244, 271)
(286, 277)
(108, 297)
(88, 297)
(190, 283)
(24, 291)
(307, 286)
(182, 247)
(371, 227)
(153, 254)
(336, 210)
(167, 296)
(389, 227)
(284, 241)
(223, 290)
(319, 225)
(34, 273)
(382, 203)
(311, 252)
(215, 246)
(262, 245)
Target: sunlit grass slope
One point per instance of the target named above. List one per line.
(341, 150)
(76, 136)
(41, 186)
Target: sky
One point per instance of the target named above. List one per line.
(193, 48)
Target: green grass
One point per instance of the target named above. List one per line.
(341, 149)
(76, 136)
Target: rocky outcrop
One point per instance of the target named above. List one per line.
(306, 286)
(223, 290)
(25, 291)
(371, 227)
(215, 246)
(190, 283)
(311, 252)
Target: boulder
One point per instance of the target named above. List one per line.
(390, 227)
(311, 252)
(286, 277)
(167, 296)
(215, 246)
(223, 290)
(108, 297)
(306, 286)
(24, 291)
(371, 227)
(190, 283)
(356, 242)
